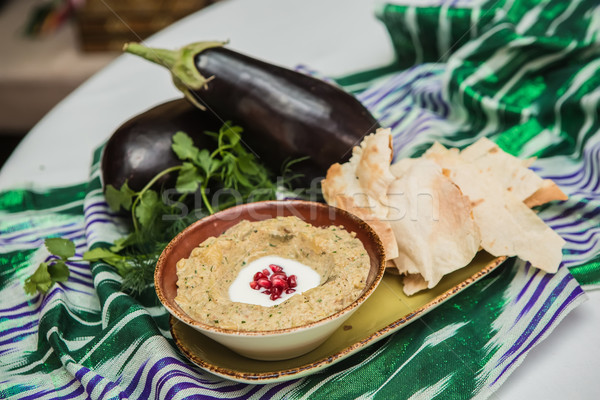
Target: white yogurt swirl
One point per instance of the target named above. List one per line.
(240, 290)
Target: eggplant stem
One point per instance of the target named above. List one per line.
(181, 63)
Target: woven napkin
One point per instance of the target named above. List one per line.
(517, 72)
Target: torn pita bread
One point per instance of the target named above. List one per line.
(509, 172)
(390, 268)
(360, 185)
(549, 191)
(381, 228)
(373, 171)
(512, 173)
(343, 179)
(435, 212)
(413, 283)
(507, 226)
(400, 167)
(432, 222)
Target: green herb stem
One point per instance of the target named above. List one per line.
(182, 197)
(145, 189)
(221, 150)
(205, 199)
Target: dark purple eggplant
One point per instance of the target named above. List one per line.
(285, 114)
(141, 148)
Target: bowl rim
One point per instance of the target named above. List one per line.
(183, 317)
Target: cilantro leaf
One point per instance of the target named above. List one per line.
(116, 260)
(53, 271)
(64, 248)
(59, 271)
(105, 255)
(231, 168)
(188, 179)
(39, 281)
(204, 161)
(240, 178)
(145, 210)
(122, 243)
(119, 198)
(248, 165)
(30, 287)
(183, 146)
(232, 133)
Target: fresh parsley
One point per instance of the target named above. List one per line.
(54, 270)
(230, 170)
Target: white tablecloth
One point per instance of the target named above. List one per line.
(334, 37)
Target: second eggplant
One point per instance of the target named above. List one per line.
(141, 147)
(285, 114)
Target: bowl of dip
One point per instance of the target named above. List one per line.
(270, 280)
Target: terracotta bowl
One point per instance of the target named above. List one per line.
(276, 344)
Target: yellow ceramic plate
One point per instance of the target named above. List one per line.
(386, 311)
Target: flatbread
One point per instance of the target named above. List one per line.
(512, 173)
(549, 191)
(507, 226)
(413, 283)
(432, 222)
(360, 185)
(367, 190)
(373, 170)
(509, 172)
(433, 213)
(381, 228)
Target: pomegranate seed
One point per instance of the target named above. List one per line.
(279, 275)
(275, 268)
(274, 284)
(277, 290)
(280, 283)
(264, 282)
(292, 281)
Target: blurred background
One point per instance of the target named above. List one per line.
(49, 47)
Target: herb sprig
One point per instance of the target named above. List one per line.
(234, 173)
(53, 270)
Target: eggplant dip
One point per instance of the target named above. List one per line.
(239, 264)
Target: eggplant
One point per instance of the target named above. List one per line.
(285, 114)
(141, 148)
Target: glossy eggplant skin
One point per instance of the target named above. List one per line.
(141, 148)
(285, 114)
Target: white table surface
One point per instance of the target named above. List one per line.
(334, 37)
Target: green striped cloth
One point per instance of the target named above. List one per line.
(522, 73)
